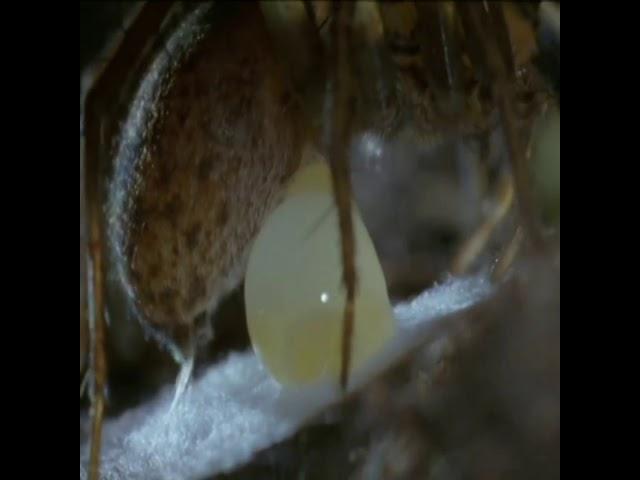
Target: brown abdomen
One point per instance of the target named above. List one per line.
(217, 140)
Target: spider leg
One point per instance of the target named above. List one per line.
(486, 26)
(337, 135)
(84, 320)
(96, 134)
(441, 51)
(478, 241)
(97, 337)
(508, 256)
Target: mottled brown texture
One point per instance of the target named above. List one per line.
(226, 138)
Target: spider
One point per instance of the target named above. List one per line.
(203, 114)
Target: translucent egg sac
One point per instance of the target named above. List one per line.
(293, 287)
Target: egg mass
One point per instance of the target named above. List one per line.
(294, 294)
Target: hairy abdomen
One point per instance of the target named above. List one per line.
(217, 140)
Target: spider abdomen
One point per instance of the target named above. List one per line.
(210, 140)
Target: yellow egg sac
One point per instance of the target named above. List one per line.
(293, 287)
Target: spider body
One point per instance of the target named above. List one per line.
(216, 129)
(211, 139)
